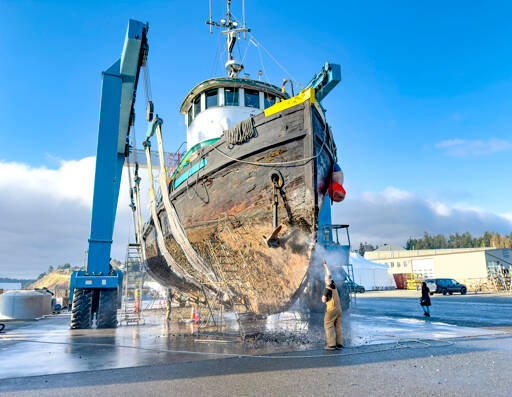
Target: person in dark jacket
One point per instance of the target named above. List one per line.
(425, 299)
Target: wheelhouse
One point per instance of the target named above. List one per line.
(215, 105)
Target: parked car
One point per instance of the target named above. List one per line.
(353, 287)
(445, 286)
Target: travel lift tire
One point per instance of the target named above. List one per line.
(106, 314)
(81, 311)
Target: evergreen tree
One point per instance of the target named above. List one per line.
(361, 249)
(464, 240)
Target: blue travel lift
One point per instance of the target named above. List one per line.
(98, 288)
(329, 238)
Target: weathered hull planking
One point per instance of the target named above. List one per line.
(226, 208)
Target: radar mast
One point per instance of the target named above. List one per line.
(232, 32)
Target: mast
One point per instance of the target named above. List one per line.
(232, 32)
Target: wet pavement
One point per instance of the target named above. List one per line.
(48, 346)
(390, 349)
(472, 310)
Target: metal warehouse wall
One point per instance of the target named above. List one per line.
(461, 266)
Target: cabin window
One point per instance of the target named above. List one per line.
(269, 100)
(212, 98)
(231, 96)
(197, 105)
(252, 98)
(190, 115)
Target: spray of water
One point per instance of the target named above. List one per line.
(336, 259)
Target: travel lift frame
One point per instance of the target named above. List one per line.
(98, 288)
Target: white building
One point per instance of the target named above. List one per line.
(458, 263)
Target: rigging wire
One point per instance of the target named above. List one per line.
(245, 52)
(238, 47)
(216, 58)
(258, 44)
(220, 58)
(262, 64)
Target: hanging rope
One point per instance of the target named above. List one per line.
(241, 132)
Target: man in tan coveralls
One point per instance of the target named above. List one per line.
(332, 319)
(168, 304)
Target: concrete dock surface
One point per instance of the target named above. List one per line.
(390, 349)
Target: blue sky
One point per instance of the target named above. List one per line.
(423, 108)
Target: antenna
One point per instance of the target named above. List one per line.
(232, 31)
(211, 27)
(243, 16)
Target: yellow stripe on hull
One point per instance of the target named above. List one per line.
(303, 96)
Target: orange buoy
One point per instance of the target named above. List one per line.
(336, 191)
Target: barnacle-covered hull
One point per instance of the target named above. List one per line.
(224, 200)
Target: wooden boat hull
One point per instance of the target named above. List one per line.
(226, 208)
